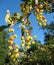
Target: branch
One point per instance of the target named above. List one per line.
(3, 27)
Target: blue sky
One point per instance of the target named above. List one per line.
(14, 6)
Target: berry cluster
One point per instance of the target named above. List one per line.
(13, 51)
(27, 39)
(26, 8)
(37, 9)
(39, 15)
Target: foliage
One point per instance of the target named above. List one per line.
(3, 46)
(49, 41)
(49, 34)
